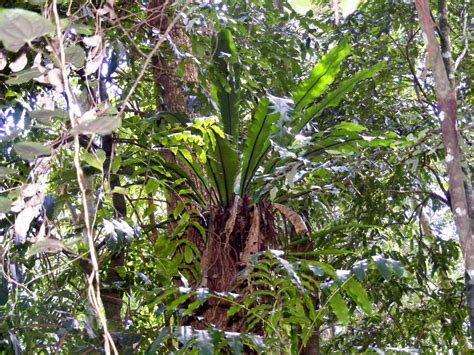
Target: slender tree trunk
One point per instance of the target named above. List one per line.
(443, 73)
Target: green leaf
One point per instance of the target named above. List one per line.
(321, 76)
(360, 269)
(257, 143)
(24, 76)
(340, 308)
(96, 159)
(44, 116)
(358, 294)
(116, 163)
(180, 300)
(350, 127)
(101, 126)
(31, 150)
(45, 245)
(192, 307)
(382, 267)
(75, 55)
(18, 27)
(223, 167)
(233, 310)
(334, 97)
(226, 82)
(5, 204)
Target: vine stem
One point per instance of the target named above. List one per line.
(93, 290)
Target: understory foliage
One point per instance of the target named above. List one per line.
(298, 203)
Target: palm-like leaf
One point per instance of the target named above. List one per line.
(321, 76)
(334, 97)
(226, 83)
(223, 167)
(257, 143)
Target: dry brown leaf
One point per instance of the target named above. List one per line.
(252, 245)
(295, 219)
(229, 226)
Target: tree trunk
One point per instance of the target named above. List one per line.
(447, 106)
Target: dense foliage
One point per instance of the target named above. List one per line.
(228, 177)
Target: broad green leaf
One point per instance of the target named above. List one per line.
(24, 76)
(226, 82)
(233, 310)
(31, 150)
(204, 342)
(321, 76)
(339, 307)
(360, 269)
(382, 267)
(5, 204)
(45, 245)
(334, 97)
(44, 116)
(358, 294)
(75, 55)
(350, 127)
(101, 126)
(192, 307)
(96, 159)
(18, 27)
(155, 346)
(223, 167)
(257, 143)
(180, 300)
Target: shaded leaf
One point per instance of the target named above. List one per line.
(223, 167)
(75, 55)
(101, 126)
(18, 27)
(24, 76)
(31, 150)
(44, 116)
(48, 245)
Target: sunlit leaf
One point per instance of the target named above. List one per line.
(321, 76)
(339, 307)
(358, 294)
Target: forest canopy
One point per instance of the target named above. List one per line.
(236, 176)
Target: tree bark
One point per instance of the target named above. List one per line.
(447, 107)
